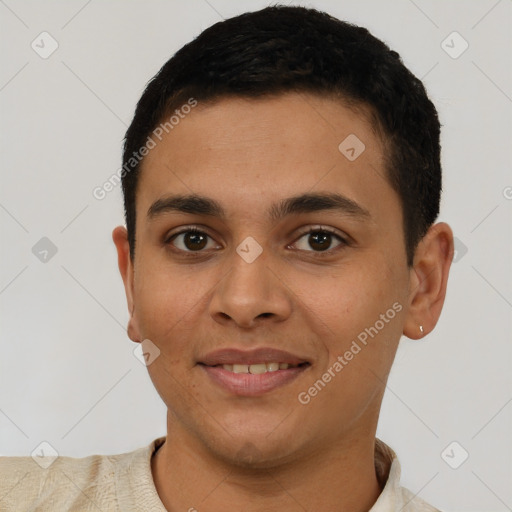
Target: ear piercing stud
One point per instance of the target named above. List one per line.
(421, 329)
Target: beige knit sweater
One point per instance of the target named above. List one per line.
(108, 483)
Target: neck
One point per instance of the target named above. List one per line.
(341, 477)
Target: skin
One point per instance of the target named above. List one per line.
(271, 452)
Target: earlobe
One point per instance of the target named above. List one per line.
(429, 279)
(125, 264)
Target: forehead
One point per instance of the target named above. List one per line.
(246, 151)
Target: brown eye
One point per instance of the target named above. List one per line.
(320, 240)
(190, 240)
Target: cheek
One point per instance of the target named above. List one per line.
(364, 320)
(351, 298)
(166, 301)
(359, 312)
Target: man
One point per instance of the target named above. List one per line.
(281, 179)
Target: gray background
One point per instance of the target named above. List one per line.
(68, 374)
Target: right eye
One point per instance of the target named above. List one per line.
(189, 240)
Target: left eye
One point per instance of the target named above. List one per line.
(320, 240)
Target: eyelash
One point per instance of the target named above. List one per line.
(328, 252)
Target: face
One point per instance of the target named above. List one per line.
(266, 279)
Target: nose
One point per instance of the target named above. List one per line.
(250, 293)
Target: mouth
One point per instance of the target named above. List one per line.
(257, 356)
(252, 373)
(257, 368)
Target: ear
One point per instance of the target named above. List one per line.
(429, 278)
(126, 268)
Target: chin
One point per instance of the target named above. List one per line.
(253, 456)
(254, 448)
(258, 427)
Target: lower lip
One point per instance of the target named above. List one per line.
(246, 384)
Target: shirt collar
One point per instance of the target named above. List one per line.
(388, 472)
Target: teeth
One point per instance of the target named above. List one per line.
(258, 368)
(272, 367)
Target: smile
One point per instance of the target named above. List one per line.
(256, 369)
(252, 380)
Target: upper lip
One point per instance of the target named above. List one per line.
(254, 356)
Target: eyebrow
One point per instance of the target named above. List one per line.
(305, 203)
